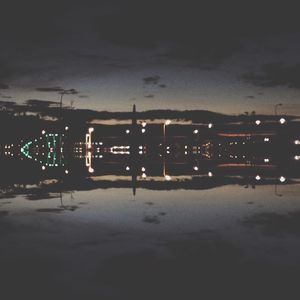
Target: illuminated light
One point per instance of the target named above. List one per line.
(168, 152)
(282, 179)
(257, 122)
(140, 152)
(143, 169)
(43, 168)
(185, 147)
(168, 177)
(143, 130)
(141, 147)
(91, 170)
(144, 175)
(91, 129)
(195, 168)
(266, 139)
(185, 153)
(101, 143)
(127, 168)
(297, 142)
(144, 124)
(297, 157)
(66, 171)
(257, 177)
(210, 125)
(43, 131)
(100, 156)
(168, 122)
(127, 131)
(210, 174)
(282, 121)
(195, 131)
(266, 160)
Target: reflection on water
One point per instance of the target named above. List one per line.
(172, 211)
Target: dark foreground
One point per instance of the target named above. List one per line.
(227, 242)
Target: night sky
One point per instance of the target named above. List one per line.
(225, 56)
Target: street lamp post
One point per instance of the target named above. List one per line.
(276, 108)
(166, 123)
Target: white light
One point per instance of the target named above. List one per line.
(140, 152)
(282, 179)
(297, 142)
(167, 122)
(257, 177)
(257, 122)
(168, 177)
(282, 121)
(141, 147)
(91, 129)
(43, 131)
(143, 130)
(127, 131)
(210, 125)
(43, 168)
(127, 168)
(195, 168)
(195, 131)
(266, 139)
(66, 171)
(91, 170)
(144, 124)
(297, 157)
(67, 128)
(266, 160)
(144, 175)
(143, 169)
(210, 174)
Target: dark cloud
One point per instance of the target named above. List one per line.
(149, 96)
(41, 103)
(151, 219)
(83, 96)
(70, 92)
(4, 86)
(250, 97)
(50, 89)
(57, 89)
(162, 86)
(151, 79)
(275, 74)
(201, 32)
(275, 224)
(5, 96)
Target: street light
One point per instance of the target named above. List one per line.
(282, 121)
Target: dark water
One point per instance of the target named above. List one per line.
(183, 244)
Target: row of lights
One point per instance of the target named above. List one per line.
(282, 179)
(281, 121)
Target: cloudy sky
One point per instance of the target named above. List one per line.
(225, 56)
